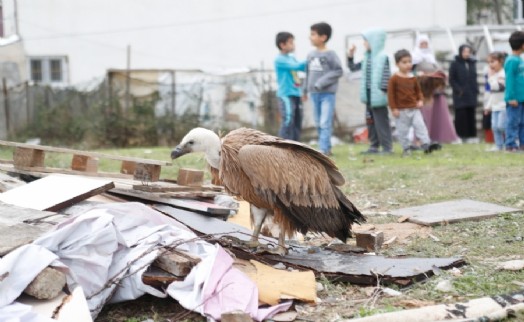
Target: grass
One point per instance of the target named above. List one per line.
(379, 184)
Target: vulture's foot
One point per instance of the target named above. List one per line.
(253, 243)
(279, 250)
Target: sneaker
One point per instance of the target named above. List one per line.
(512, 149)
(387, 152)
(434, 146)
(414, 147)
(493, 149)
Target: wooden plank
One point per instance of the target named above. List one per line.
(190, 177)
(84, 163)
(194, 205)
(42, 172)
(86, 153)
(11, 215)
(128, 167)
(55, 192)
(147, 172)
(16, 235)
(177, 263)
(25, 157)
(8, 182)
(158, 278)
(451, 211)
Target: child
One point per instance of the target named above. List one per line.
(495, 103)
(373, 89)
(289, 90)
(514, 93)
(323, 71)
(405, 100)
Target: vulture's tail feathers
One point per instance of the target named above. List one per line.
(332, 221)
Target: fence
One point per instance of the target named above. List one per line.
(146, 107)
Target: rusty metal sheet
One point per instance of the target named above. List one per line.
(355, 268)
(210, 225)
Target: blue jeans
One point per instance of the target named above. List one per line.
(515, 126)
(323, 111)
(291, 117)
(498, 126)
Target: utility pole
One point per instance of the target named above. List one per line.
(496, 4)
(6, 106)
(128, 80)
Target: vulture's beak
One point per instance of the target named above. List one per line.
(179, 151)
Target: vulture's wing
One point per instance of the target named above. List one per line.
(294, 176)
(332, 170)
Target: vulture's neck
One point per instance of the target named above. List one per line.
(213, 152)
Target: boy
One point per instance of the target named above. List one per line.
(323, 71)
(373, 87)
(514, 93)
(405, 100)
(289, 91)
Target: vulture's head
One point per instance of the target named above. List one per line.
(200, 140)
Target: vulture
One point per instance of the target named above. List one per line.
(295, 183)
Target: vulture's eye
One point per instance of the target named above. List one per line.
(191, 142)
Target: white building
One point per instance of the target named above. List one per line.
(72, 42)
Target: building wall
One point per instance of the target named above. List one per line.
(205, 34)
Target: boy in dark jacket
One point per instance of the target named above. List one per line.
(463, 81)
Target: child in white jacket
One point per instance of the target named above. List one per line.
(494, 102)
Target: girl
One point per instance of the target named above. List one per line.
(495, 103)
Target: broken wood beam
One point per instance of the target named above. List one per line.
(47, 285)
(26, 157)
(146, 172)
(235, 316)
(84, 163)
(176, 262)
(370, 240)
(190, 177)
(158, 278)
(128, 167)
(141, 171)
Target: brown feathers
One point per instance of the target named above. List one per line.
(295, 181)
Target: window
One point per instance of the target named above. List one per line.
(56, 70)
(36, 70)
(48, 70)
(518, 10)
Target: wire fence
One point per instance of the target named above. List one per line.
(145, 107)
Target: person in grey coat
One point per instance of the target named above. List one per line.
(463, 81)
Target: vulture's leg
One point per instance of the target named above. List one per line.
(258, 215)
(281, 243)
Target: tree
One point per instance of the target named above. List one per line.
(489, 11)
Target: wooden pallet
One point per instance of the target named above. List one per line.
(30, 157)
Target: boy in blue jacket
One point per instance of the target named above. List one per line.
(514, 93)
(289, 91)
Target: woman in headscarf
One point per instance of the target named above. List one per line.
(463, 81)
(432, 81)
(422, 56)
